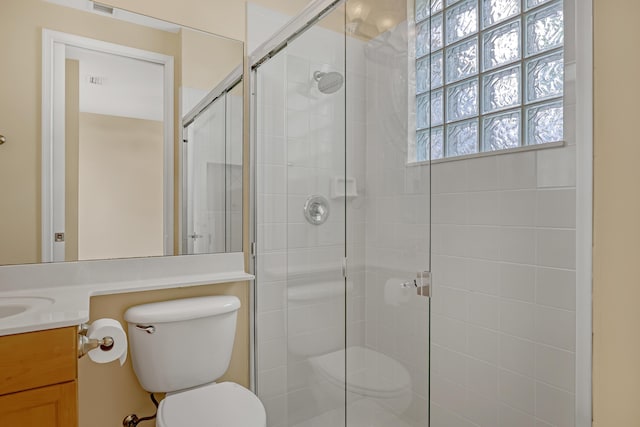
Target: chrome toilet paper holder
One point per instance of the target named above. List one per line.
(86, 344)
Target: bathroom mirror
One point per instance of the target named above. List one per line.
(123, 135)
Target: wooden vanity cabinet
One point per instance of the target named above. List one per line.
(38, 379)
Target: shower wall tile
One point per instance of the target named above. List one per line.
(517, 171)
(517, 391)
(556, 208)
(517, 355)
(555, 288)
(555, 367)
(555, 406)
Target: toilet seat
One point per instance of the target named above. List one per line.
(370, 373)
(213, 405)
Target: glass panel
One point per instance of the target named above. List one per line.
(450, 2)
(437, 108)
(436, 70)
(501, 89)
(545, 123)
(501, 131)
(436, 32)
(462, 20)
(462, 100)
(422, 75)
(437, 143)
(494, 11)
(501, 45)
(533, 3)
(422, 112)
(462, 60)
(545, 77)
(545, 29)
(422, 146)
(422, 39)
(462, 138)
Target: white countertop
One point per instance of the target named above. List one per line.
(63, 291)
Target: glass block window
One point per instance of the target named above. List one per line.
(489, 76)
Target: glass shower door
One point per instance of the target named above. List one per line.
(342, 228)
(301, 287)
(205, 174)
(388, 225)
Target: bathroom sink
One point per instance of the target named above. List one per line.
(11, 306)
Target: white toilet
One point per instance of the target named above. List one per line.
(319, 338)
(181, 348)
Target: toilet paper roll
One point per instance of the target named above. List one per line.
(108, 328)
(394, 293)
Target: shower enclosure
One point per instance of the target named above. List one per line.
(355, 207)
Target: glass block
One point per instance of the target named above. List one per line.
(462, 20)
(436, 6)
(436, 70)
(437, 143)
(436, 32)
(423, 10)
(422, 146)
(422, 39)
(462, 138)
(545, 123)
(545, 29)
(494, 11)
(422, 112)
(462, 60)
(422, 75)
(501, 89)
(437, 107)
(462, 100)
(545, 77)
(501, 45)
(533, 3)
(501, 131)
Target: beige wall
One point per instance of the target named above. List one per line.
(616, 214)
(108, 392)
(207, 60)
(120, 197)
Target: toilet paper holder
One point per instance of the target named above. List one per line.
(86, 344)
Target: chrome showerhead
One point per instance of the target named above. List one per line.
(330, 82)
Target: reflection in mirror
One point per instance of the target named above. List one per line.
(93, 102)
(212, 171)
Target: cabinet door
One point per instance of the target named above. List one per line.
(53, 406)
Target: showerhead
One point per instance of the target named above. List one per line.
(330, 82)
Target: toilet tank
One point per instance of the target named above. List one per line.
(182, 343)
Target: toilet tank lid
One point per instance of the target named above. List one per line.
(182, 309)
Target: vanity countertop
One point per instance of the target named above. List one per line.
(58, 295)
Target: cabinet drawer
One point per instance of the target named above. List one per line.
(36, 359)
(52, 406)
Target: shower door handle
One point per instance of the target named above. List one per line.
(422, 284)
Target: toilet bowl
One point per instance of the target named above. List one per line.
(225, 404)
(369, 375)
(319, 338)
(181, 348)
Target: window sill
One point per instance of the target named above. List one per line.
(490, 153)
